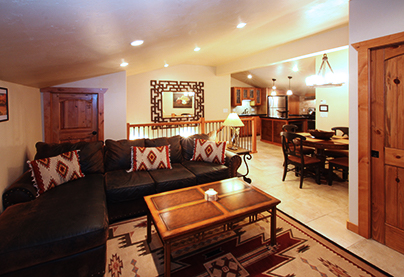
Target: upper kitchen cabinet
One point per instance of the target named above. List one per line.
(258, 96)
(236, 96)
(239, 94)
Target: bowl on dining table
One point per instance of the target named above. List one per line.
(320, 134)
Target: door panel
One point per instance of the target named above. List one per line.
(73, 114)
(387, 103)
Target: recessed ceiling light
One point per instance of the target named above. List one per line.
(295, 68)
(249, 76)
(196, 49)
(166, 65)
(123, 64)
(241, 25)
(137, 42)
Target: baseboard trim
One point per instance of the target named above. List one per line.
(352, 227)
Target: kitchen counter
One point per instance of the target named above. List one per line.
(271, 127)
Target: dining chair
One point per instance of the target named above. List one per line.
(292, 147)
(293, 128)
(338, 153)
(341, 164)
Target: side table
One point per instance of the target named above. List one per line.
(246, 156)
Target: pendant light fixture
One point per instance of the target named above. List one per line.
(289, 92)
(273, 93)
(325, 77)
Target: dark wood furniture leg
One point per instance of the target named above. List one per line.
(167, 258)
(149, 220)
(273, 226)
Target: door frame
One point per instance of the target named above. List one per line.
(47, 104)
(364, 128)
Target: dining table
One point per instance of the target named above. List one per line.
(334, 143)
(320, 145)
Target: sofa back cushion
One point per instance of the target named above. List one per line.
(188, 145)
(175, 146)
(91, 153)
(118, 153)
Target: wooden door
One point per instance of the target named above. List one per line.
(73, 114)
(387, 142)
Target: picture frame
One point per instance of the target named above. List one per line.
(182, 100)
(4, 104)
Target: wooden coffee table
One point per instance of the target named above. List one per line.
(184, 213)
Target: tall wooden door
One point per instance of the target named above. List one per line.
(73, 114)
(387, 140)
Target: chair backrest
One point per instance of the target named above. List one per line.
(292, 145)
(290, 128)
(344, 130)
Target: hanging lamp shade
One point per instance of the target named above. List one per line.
(273, 93)
(289, 92)
(325, 76)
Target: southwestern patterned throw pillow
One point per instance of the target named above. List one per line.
(209, 151)
(51, 172)
(150, 158)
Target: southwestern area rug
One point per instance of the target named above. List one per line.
(300, 251)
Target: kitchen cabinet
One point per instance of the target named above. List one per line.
(246, 130)
(272, 127)
(236, 96)
(258, 97)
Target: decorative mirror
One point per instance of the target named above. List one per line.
(173, 101)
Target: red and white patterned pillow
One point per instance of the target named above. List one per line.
(209, 151)
(50, 172)
(150, 158)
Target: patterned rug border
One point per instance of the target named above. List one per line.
(341, 248)
(332, 246)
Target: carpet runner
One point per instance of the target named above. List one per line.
(244, 252)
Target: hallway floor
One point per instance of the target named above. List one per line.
(323, 208)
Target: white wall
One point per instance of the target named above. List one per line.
(337, 98)
(216, 90)
(368, 19)
(114, 101)
(19, 134)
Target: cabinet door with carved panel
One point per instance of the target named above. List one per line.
(257, 97)
(236, 96)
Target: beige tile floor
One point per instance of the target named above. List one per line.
(324, 208)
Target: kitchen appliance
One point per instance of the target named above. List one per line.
(278, 106)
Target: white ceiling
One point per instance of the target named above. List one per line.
(49, 42)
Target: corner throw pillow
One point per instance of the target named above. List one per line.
(51, 172)
(150, 158)
(209, 151)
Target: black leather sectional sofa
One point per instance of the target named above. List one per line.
(63, 232)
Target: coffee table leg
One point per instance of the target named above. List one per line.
(148, 227)
(167, 259)
(273, 226)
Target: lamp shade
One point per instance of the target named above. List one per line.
(233, 120)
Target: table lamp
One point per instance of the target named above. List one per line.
(234, 122)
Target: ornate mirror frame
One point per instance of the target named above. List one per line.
(156, 99)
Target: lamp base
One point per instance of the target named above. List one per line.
(234, 133)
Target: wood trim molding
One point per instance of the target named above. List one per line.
(364, 128)
(352, 227)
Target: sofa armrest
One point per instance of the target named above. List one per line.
(22, 190)
(233, 162)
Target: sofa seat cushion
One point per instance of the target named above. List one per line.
(65, 221)
(207, 172)
(175, 178)
(124, 186)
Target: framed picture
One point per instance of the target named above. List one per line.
(182, 100)
(3, 104)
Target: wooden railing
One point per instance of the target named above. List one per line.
(247, 140)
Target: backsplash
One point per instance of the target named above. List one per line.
(245, 108)
(306, 104)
